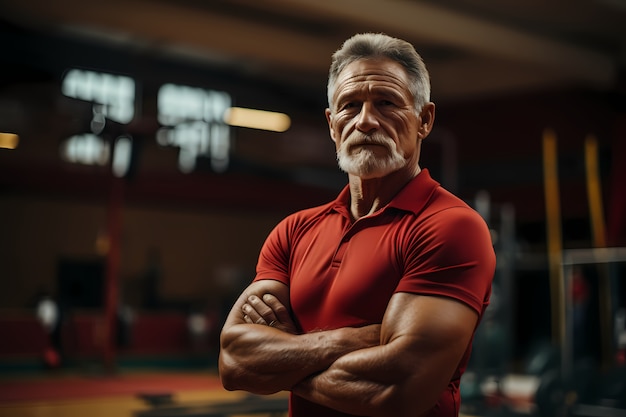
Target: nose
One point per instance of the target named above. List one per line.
(367, 122)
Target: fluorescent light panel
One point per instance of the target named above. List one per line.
(257, 119)
(9, 140)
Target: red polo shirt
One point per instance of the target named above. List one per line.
(343, 273)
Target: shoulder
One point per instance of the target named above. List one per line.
(450, 230)
(302, 218)
(447, 212)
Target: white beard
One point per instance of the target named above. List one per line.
(364, 162)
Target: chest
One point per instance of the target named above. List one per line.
(344, 274)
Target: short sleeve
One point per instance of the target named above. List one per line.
(273, 262)
(451, 254)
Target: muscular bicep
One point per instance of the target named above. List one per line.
(430, 335)
(246, 349)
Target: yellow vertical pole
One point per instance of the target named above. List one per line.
(596, 211)
(554, 236)
(594, 192)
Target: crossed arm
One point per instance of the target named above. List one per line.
(399, 367)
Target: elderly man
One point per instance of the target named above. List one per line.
(367, 305)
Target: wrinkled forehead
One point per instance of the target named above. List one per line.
(371, 73)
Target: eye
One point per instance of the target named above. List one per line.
(349, 105)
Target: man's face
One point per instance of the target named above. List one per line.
(374, 124)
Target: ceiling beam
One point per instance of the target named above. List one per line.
(420, 20)
(172, 26)
(511, 57)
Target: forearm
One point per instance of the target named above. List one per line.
(423, 339)
(377, 382)
(354, 384)
(263, 360)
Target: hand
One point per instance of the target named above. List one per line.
(268, 311)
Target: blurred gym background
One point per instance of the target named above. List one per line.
(147, 147)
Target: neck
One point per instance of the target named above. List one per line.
(370, 195)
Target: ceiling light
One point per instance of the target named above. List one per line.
(257, 119)
(9, 140)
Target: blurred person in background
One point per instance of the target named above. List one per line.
(367, 305)
(49, 315)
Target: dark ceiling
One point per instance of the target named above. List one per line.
(275, 54)
(473, 48)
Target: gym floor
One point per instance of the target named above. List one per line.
(60, 394)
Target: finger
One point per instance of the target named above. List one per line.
(278, 308)
(262, 309)
(251, 315)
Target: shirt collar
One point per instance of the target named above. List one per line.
(412, 197)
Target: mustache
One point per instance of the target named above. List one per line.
(358, 138)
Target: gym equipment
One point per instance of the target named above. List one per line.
(557, 397)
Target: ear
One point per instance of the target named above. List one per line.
(329, 119)
(427, 119)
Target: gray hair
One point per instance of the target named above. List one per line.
(378, 45)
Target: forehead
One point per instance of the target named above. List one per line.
(372, 72)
